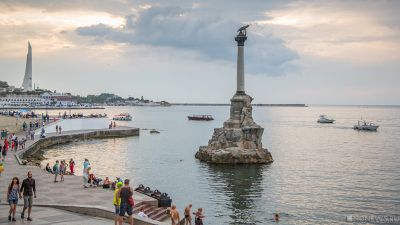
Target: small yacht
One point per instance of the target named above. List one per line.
(123, 117)
(363, 125)
(325, 119)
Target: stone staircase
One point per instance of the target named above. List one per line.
(153, 212)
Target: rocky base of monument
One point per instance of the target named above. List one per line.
(235, 146)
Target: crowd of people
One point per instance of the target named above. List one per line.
(11, 142)
(18, 113)
(176, 219)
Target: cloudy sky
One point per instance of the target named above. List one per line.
(313, 52)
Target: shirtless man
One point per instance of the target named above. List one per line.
(174, 215)
(188, 217)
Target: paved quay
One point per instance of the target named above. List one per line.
(50, 216)
(70, 194)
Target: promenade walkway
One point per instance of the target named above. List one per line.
(50, 216)
(69, 194)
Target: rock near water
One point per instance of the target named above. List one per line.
(239, 140)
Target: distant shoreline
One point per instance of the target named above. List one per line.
(225, 104)
(48, 108)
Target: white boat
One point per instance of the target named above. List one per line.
(324, 119)
(363, 125)
(123, 117)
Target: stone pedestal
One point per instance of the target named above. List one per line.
(239, 140)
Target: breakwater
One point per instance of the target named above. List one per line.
(71, 136)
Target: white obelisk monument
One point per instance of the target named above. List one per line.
(27, 83)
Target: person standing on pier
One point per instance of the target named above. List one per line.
(188, 217)
(71, 166)
(32, 135)
(28, 188)
(62, 170)
(56, 170)
(175, 219)
(198, 219)
(125, 194)
(117, 202)
(86, 166)
(59, 128)
(56, 129)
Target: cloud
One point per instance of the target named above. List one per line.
(210, 36)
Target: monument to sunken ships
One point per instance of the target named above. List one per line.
(239, 140)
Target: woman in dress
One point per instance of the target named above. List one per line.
(12, 197)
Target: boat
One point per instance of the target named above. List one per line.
(123, 117)
(153, 131)
(325, 119)
(364, 125)
(201, 117)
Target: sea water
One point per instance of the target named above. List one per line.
(322, 173)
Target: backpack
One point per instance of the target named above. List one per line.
(55, 168)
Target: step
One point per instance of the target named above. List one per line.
(162, 217)
(156, 211)
(158, 214)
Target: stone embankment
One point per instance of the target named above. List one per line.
(35, 150)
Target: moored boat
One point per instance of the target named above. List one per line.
(200, 117)
(325, 119)
(123, 117)
(364, 125)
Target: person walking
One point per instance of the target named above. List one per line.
(56, 170)
(127, 204)
(187, 213)
(12, 197)
(59, 129)
(56, 129)
(28, 188)
(117, 202)
(72, 166)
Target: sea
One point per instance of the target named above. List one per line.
(321, 174)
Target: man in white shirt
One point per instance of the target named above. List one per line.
(142, 214)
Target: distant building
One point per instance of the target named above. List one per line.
(45, 99)
(21, 100)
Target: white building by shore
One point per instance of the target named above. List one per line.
(45, 99)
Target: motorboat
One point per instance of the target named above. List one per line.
(201, 117)
(364, 125)
(325, 119)
(123, 117)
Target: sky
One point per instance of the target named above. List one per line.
(311, 52)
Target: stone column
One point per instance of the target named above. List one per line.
(240, 39)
